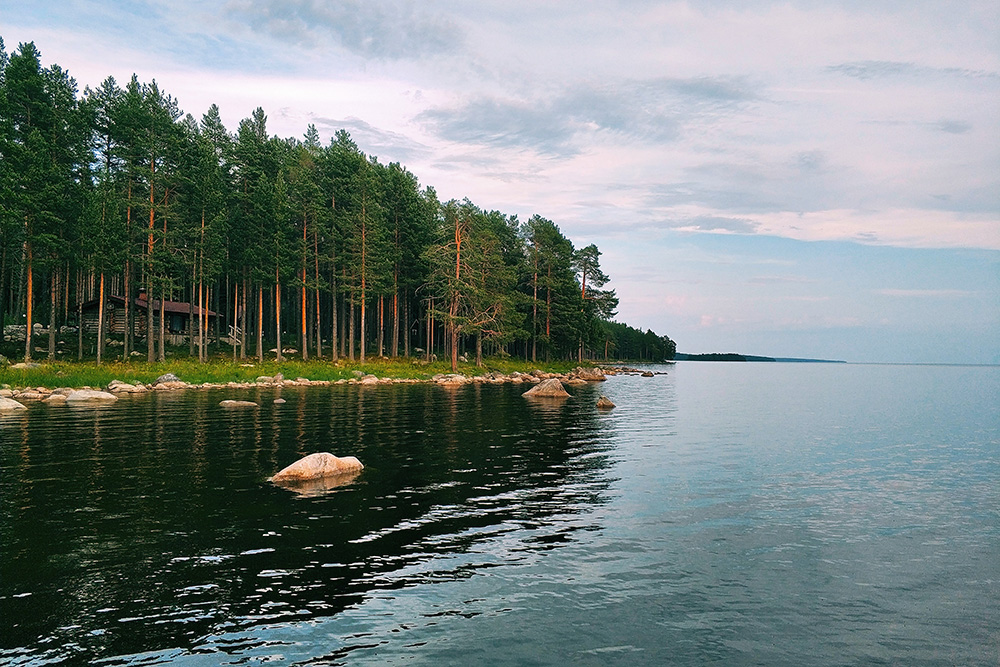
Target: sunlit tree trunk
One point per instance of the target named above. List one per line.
(277, 313)
(100, 320)
(304, 327)
(30, 287)
(319, 332)
(350, 329)
(53, 308)
(260, 323)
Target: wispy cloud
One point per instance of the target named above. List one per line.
(926, 293)
(389, 30)
(881, 69)
(562, 122)
(376, 141)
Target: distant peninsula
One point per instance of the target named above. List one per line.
(732, 356)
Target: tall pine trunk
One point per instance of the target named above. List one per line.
(381, 325)
(350, 330)
(277, 313)
(319, 331)
(53, 307)
(260, 323)
(100, 320)
(29, 303)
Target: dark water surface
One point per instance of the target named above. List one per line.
(729, 514)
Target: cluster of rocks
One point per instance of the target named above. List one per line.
(545, 385)
(11, 399)
(625, 370)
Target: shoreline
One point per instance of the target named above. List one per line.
(113, 389)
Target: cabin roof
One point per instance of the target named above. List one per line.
(182, 307)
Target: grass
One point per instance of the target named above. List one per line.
(221, 370)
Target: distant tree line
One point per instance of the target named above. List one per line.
(116, 192)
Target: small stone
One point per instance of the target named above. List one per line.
(167, 377)
(279, 401)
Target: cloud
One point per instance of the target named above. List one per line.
(781, 280)
(709, 223)
(390, 30)
(952, 126)
(925, 293)
(885, 69)
(495, 122)
(560, 123)
(373, 140)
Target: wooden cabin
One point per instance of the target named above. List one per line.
(177, 315)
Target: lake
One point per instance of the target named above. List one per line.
(723, 513)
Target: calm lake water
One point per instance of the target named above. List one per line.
(731, 514)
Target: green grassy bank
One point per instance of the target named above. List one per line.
(90, 374)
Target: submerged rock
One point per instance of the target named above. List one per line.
(604, 403)
(551, 388)
(90, 396)
(228, 403)
(318, 466)
(279, 401)
(9, 405)
(647, 374)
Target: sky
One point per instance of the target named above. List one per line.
(804, 178)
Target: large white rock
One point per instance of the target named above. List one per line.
(317, 466)
(90, 396)
(9, 405)
(551, 388)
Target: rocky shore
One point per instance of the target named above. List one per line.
(13, 398)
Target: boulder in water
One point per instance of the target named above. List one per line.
(229, 403)
(551, 388)
(604, 403)
(318, 466)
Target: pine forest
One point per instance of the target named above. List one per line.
(133, 230)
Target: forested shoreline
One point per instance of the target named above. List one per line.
(169, 228)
